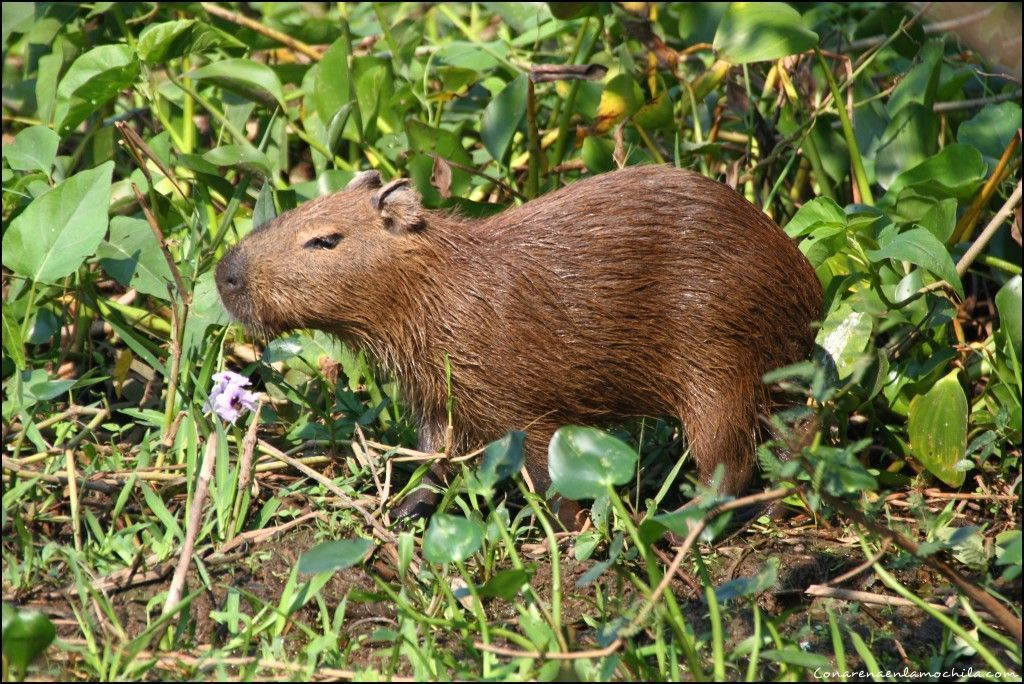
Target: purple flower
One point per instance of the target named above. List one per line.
(228, 398)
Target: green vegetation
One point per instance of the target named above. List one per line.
(141, 140)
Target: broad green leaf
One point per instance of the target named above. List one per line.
(159, 42)
(911, 137)
(12, 340)
(698, 21)
(920, 247)
(40, 387)
(132, 256)
(502, 116)
(818, 211)
(92, 80)
(1008, 303)
(656, 114)
(937, 215)
(331, 87)
(957, 171)
(334, 555)
(505, 584)
(920, 83)
(991, 130)
(502, 459)
(252, 80)
(793, 656)
(583, 462)
(937, 428)
(845, 335)
(244, 156)
(761, 31)
(60, 228)
(26, 634)
(480, 57)
(33, 149)
(449, 539)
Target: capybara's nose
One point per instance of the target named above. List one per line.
(231, 273)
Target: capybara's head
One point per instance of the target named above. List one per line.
(325, 264)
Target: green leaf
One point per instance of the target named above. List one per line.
(60, 228)
(920, 83)
(920, 247)
(33, 149)
(937, 428)
(92, 80)
(821, 210)
(991, 130)
(12, 340)
(449, 539)
(910, 138)
(506, 584)
(845, 335)
(502, 117)
(957, 171)
(761, 31)
(583, 462)
(26, 634)
(1008, 303)
(133, 257)
(502, 459)
(159, 42)
(334, 555)
(252, 80)
(245, 156)
(331, 86)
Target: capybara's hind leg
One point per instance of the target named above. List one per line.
(720, 430)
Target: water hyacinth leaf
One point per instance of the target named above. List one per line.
(244, 156)
(26, 634)
(92, 80)
(252, 80)
(159, 42)
(1008, 303)
(133, 257)
(584, 462)
(819, 211)
(334, 555)
(331, 87)
(920, 247)
(750, 586)
(909, 139)
(761, 31)
(502, 459)
(937, 428)
(450, 539)
(957, 171)
(60, 228)
(33, 149)
(845, 335)
(991, 130)
(502, 116)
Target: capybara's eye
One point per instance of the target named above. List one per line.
(324, 242)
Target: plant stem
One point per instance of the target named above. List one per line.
(860, 176)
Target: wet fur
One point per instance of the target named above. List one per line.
(649, 291)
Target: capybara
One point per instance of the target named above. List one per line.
(648, 291)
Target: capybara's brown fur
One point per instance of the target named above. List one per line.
(649, 291)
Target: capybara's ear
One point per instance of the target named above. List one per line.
(399, 206)
(369, 180)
